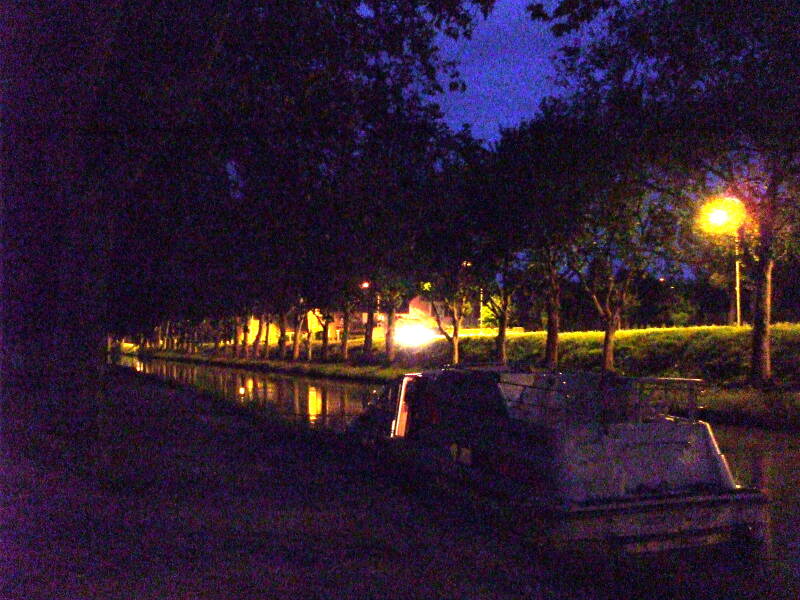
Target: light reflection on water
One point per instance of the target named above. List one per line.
(323, 403)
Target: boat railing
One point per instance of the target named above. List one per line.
(572, 398)
(669, 395)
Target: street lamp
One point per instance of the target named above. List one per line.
(725, 215)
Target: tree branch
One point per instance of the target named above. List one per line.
(438, 316)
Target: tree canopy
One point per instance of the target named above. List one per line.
(188, 146)
(719, 88)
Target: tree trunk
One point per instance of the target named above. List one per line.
(216, 335)
(325, 340)
(370, 326)
(454, 340)
(500, 342)
(56, 224)
(245, 335)
(282, 326)
(309, 342)
(265, 318)
(298, 335)
(455, 314)
(236, 337)
(257, 339)
(181, 338)
(612, 322)
(391, 347)
(761, 362)
(553, 323)
(345, 333)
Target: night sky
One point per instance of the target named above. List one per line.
(507, 67)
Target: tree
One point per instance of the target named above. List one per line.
(452, 291)
(58, 212)
(448, 240)
(542, 180)
(291, 102)
(395, 290)
(627, 232)
(499, 262)
(628, 229)
(723, 81)
(497, 296)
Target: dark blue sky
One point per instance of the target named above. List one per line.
(506, 65)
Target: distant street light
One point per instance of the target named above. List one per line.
(365, 285)
(414, 334)
(725, 215)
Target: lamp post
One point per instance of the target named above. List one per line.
(370, 324)
(725, 215)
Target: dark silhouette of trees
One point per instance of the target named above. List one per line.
(721, 85)
(544, 171)
(158, 156)
(500, 227)
(448, 242)
(175, 169)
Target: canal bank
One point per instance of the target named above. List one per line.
(364, 373)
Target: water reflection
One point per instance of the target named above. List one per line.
(317, 402)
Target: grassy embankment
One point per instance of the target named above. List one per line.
(719, 355)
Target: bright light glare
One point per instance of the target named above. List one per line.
(724, 214)
(413, 334)
(718, 217)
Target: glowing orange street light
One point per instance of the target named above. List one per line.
(365, 285)
(722, 215)
(725, 215)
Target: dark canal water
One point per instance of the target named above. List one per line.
(319, 403)
(332, 404)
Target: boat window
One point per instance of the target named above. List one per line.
(424, 406)
(471, 394)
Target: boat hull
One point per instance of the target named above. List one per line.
(652, 525)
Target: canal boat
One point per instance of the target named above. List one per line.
(583, 458)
